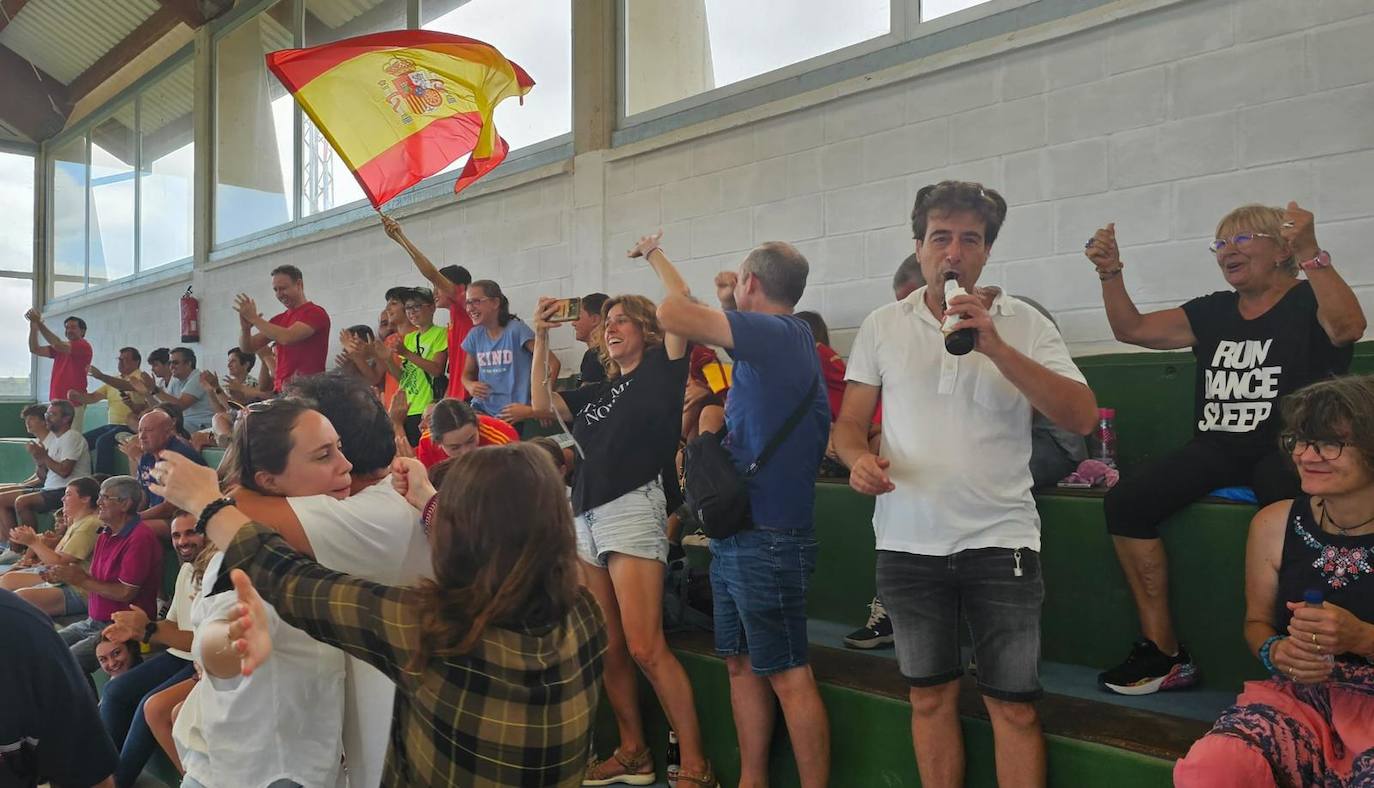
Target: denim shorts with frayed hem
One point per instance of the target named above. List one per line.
(759, 579)
(924, 595)
(634, 524)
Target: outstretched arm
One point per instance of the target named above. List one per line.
(1338, 310)
(441, 283)
(1167, 329)
(674, 344)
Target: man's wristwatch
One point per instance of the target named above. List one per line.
(1322, 260)
(149, 631)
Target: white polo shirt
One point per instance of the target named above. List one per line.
(957, 432)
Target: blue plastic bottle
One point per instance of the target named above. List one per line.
(1313, 597)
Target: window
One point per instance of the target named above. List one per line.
(537, 34)
(326, 181)
(255, 169)
(934, 9)
(167, 150)
(122, 198)
(111, 218)
(67, 171)
(16, 260)
(676, 49)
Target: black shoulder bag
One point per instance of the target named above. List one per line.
(716, 492)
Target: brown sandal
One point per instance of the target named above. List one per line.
(707, 780)
(630, 770)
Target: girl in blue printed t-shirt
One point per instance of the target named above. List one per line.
(499, 349)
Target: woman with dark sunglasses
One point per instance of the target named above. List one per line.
(1270, 334)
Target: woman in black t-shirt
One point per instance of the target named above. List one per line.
(623, 488)
(1289, 728)
(1267, 336)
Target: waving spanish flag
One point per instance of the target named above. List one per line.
(401, 106)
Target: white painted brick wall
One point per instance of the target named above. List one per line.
(1160, 122)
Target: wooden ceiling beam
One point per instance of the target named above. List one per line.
(36, 104)
(8, 10)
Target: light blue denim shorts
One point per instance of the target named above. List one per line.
(634, 524)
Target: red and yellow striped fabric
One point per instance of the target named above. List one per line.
(401, 106)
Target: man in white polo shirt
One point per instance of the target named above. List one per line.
(955, 521)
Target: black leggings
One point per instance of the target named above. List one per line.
(1141, 501)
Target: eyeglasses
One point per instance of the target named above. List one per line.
(476, 301)
(1327, 450)
(103, 498)
(1222, 244)
(416, 307)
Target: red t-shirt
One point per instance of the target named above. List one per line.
(833, 369)
(69, 369)
(459, 324)
(490, 432)
(307, 357)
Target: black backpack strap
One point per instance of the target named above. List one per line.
(781, 435)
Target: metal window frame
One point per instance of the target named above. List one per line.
(907, 38)
(133, 93)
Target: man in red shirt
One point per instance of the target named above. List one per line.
(70, 357)
(450, 292)
(300, 335)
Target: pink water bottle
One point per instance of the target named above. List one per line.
(1105, 437)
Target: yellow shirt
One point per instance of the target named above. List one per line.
(119, 412)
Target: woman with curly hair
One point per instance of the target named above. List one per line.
(1309, 613)
(626, 483)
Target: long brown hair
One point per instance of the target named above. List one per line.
(504, 552)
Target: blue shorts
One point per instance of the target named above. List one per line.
(634, 524)
(925, 596)
(759, 579)
(74, 603)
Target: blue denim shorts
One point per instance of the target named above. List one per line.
(925, 594)
(759, 579)
(74, 603)
(634, 524)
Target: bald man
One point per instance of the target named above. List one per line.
(157, 433)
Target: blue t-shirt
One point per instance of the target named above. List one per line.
(502, 363)
(146, 462)
(775, 365)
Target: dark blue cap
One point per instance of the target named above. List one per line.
(1313, 596)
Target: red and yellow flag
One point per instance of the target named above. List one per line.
(401, 106)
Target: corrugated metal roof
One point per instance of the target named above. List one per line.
(66, 37)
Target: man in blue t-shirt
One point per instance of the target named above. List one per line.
(759, 576)
(156, 433)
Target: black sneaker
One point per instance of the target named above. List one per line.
(876, 633)
(1148, 670)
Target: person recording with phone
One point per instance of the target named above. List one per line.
(623, 488)
(955, 521)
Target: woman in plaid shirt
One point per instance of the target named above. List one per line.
(497, 662)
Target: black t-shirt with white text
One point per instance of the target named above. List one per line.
(1244, 367)
(629, 428)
